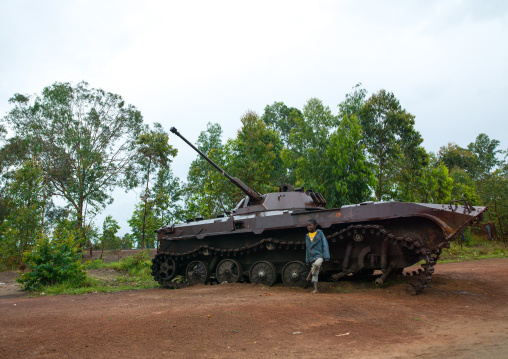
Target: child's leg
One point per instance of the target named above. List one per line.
(316, 266)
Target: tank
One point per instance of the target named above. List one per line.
(262, 240)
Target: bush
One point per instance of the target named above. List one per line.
(136, 262)
(94, 264)
(52, 262)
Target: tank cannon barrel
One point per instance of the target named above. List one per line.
(253, 195)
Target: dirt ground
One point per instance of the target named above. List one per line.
(463, 314)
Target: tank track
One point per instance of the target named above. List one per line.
(420, 282)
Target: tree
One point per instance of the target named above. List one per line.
(23, 225)
(348, 177)
(486, 151)
(282, 119)
(254, 156)
(110, 228)
(82, 138)
(493, 190)
(144, 224)
(307, 143)
(207, 191)
(167, 193)
(353, 103)
(463, 184)
(52, 262)
(390, 139)
(454, 156)
(153, 153)
(436, 184)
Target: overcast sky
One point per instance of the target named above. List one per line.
(187, 63)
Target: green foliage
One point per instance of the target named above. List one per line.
(52, 262)
(143, 224)
(481, 175)
(486, 151)
(392, 142)
(493, 190)
(353, 103)
(207, 191)
(110, 228)
(82, 138)
(254, 155)
(119, 280)
(136, 263)
(348, 177)
(167, 193)
(153, 155)
(94, 264)
(24, 221)
(455, 157)
(473, 249)
(463, 184)
(281, 119)
(307, 143)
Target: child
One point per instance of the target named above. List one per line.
(317, 251)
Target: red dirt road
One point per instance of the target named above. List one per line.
(464, 314)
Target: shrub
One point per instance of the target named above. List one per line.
(52, 262)
(94, 264)
(136, 262)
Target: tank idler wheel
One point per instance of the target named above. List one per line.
(263, 272)
(228, 271)
(294, 274)
(197, 273)
(166, 270)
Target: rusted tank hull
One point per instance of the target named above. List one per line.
(268, 246)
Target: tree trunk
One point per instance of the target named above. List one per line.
(146, 200)
(499, 221)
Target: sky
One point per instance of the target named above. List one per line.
(187, 63)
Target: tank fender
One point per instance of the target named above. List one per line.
(446, 228)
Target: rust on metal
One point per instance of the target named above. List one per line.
(262, 239)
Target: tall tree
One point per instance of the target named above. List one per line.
(83, 139)
(493, 190)
(109, 239)
(282, 119)
(454, 156)
(354, 102)
(463, 184)
(389, 136)
(23, 224)
(153, 153)
(207, 191)
(254, 156)
(307, 142)
(167, 194)
(143, 224)
(347, 176)
(486, 151)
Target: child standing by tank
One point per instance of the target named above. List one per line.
(316, 252)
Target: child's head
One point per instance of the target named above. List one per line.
(311, 225)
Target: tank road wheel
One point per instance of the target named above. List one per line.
(167, 270)
(263, 272)
(197, 272)
(163, 269)
(228, 271)
(294, 274)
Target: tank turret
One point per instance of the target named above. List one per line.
(287, 198)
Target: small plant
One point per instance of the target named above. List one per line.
(95, 264)
(136, 263)
(52, 262)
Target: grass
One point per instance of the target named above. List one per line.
(130, 274)
(134, 272)
(473, 250)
